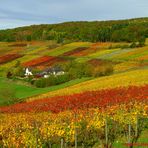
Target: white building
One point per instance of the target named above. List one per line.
(28, 72)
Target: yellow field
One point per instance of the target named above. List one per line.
(126, 66)
(133, 54)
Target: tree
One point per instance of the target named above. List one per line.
(17, 70)
(103, 70)
(120, 30)
(9, 75)
(78, 70)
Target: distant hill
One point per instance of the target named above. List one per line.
(130, 30)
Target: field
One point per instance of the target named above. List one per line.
(76, 125)
(87, 99)
(89, 112)
(33, 51)
(23, 91)
(135, 77)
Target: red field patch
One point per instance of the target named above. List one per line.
(81, 51)
(76, 52)
(43, 62)
(18, 45)
(38, 61)
(55, 60)
(84, 51)
(9, 57)
(90, 99)
(97, 62)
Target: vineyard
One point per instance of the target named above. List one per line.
(40, 53)
(135, 78)
(8, 58)
(108, 111)
(99, 99)
(38, 61)
(83, 120)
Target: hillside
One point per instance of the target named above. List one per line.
(42, 54)
(74, 84)
(98, 31)
(132, 78)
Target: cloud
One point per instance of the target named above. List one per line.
(15, 13)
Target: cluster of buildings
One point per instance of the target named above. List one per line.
(56, 71)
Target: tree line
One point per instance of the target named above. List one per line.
(133, 30)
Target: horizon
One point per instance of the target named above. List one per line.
(73, 22)
(15, 14)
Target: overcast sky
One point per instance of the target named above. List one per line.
(14, 13)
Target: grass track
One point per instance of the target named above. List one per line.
(23, 91)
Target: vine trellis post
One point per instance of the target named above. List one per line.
(106, 132)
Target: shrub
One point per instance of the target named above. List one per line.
(133, 45)
(51, 81)
(78, 70)
(102, 70)
(40, 83)
(141, 43)
(9, 75)
(62, 79)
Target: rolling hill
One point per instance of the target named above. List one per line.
(89, 110)
(42, 54)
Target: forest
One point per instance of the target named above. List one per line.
(132, 30)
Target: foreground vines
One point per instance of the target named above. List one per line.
(42, 129)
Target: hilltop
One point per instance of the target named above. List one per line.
(97, 31)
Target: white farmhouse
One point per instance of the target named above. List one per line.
(28, 72)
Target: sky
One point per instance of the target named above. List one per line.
(16, 13)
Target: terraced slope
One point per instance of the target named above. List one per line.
(34, 50)
(132, 54)
(118, 54)
(48, 52)
(135, 77)
(29, 52)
